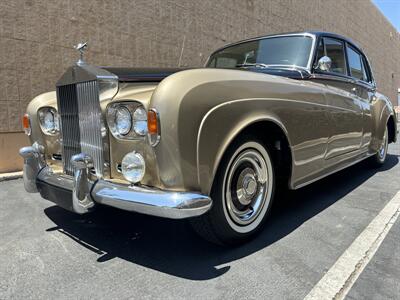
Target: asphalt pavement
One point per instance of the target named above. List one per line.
(49, 253)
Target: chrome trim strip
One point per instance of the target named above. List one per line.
(333, 171)
(342, 78)
(332, 77)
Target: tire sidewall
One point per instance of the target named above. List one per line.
(381, 160)
(386, 138)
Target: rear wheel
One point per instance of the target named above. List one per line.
(242, 194)
(379, 158)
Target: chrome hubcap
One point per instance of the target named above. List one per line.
(246, 187)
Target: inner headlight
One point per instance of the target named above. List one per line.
(48, 120)
(123, 120)
(127, 120)
(140, 121)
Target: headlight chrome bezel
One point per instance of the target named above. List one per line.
(132, 107)
(46, 111)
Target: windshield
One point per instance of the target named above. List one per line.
(275, 51)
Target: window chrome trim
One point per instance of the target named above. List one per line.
(332, 76)
(305, 34)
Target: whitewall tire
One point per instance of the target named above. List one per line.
(242, 194)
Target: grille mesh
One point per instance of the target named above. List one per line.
(80, 115)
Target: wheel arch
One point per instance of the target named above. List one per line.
(274, 131)
(391, 129)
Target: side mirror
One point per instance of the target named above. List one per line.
(324, 64)
(247, 56)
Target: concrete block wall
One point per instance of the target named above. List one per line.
(36, 37)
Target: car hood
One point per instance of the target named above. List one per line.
(142, 74)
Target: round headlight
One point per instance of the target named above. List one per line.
(133, 167)
(123, 120)
(48, 120)
(140, 121)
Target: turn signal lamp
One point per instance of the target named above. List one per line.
(153, 126)
(26, 124)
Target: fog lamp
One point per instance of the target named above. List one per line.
(133, 167)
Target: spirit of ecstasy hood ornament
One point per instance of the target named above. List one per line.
(81, 47)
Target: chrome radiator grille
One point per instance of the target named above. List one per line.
(80, 115)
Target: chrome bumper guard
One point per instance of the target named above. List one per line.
(85, 193)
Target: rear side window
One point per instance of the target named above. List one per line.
(334, 49)
(366, 70)
(356, 64)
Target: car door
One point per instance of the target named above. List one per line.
(363, 88)
(344, 105)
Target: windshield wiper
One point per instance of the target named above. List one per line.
(257, 65)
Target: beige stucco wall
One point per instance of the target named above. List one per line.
(36, 37)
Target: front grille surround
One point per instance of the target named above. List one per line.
(80, 123)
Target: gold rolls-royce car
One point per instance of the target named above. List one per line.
(212, 144)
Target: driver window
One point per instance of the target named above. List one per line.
(320, 50)
(334, 49)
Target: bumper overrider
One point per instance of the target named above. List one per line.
(80, 194)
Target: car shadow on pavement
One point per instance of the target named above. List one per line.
(170, 246)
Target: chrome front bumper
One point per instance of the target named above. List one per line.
(79, 194)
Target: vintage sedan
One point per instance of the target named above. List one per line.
(212, 144)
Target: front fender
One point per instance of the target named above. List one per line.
(235, 116)
(202, 110)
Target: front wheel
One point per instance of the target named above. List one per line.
(242, 194)
(379, 158)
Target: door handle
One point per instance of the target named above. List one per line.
(354, 90)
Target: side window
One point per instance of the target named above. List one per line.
(356, 64)
(367, 70)
(320, 50)
(335, 51)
